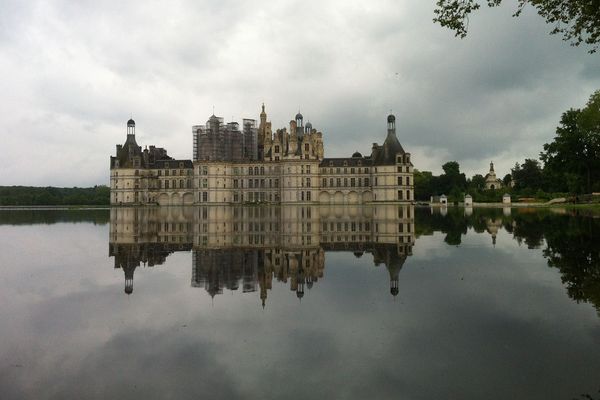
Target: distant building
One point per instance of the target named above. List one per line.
(491, 181)
(257, 165)
(439, 200)
(468, 200)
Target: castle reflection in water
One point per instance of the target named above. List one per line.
(251, 246)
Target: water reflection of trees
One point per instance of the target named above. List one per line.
(53, 216)
(570, 239)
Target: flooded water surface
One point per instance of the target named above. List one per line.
(299, 302)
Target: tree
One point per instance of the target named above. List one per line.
(506, 181)
(451, 168)
(452, 181)
(423, 184)
(528, 175)
(573, 157)
(577, 20)
(478, 182)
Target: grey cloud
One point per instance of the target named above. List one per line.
(77, 70)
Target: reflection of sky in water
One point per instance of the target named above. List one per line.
(470, 321)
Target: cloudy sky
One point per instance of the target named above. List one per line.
(74, 72)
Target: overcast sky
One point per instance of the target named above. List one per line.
(74, 72)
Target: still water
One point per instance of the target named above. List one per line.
(374, 302)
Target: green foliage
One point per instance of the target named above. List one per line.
(452, 183)
(451, 168)
(507, 180)
(53, 196)
(423, 181)
(477, 183)
(577, 20)
(572, 159)
(528, 175)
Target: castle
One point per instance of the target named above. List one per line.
(257, 165)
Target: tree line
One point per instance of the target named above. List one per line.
(567, 166)
(53, 196)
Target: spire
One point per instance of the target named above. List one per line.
(491, 166)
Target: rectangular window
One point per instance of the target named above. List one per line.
(324, 182)
(352, 182)
(204, 196)
(400, 195)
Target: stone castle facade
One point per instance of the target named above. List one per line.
(256, 165)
